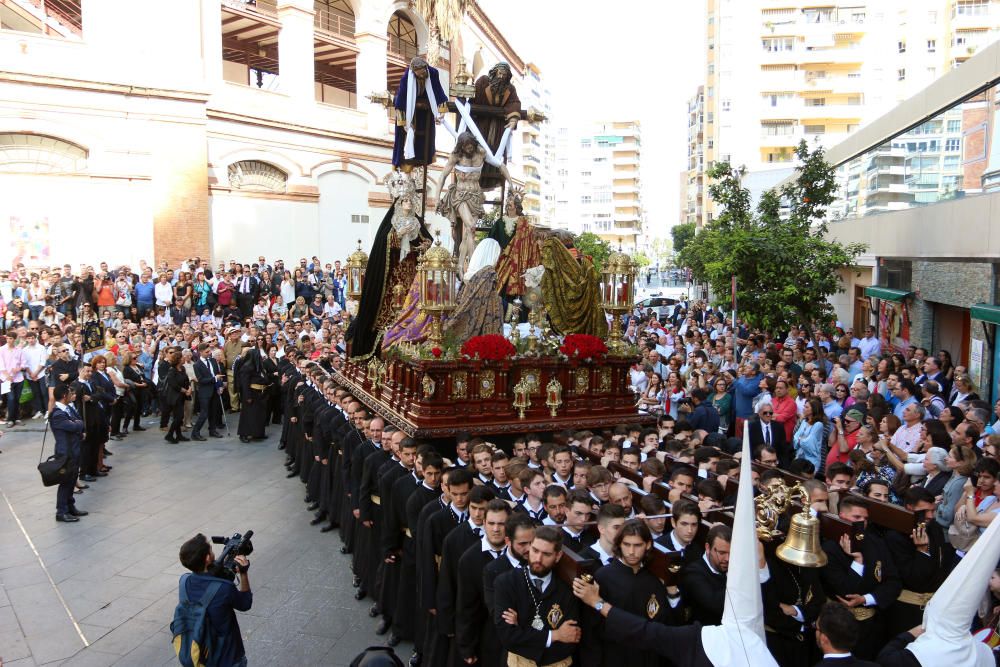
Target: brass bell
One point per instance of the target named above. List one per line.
(802, 547)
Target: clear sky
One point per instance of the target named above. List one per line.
(618, 60)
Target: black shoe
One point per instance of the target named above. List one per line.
(244, 439)
(313, 507)
(373, 612)
(138, 428)
(308, 499)
(198, 438)
(66, 518)
(383, 627)
(182, 438)
(87, 478)
(393, 639)
(75, 512)
(108, 452)
(83, 486)
(361, 594)
(101, 474)
(356, 581)
(344, 550)
(327, 528)
(215, 434)
(281, 445)
(293, 473)
(316, 520)
(414, 659)
(171, 439)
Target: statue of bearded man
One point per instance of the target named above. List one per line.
(495, 90)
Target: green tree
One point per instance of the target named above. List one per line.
(592, 245)
(641, 260)
(682, 234)
(785, 267)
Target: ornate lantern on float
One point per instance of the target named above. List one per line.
(617, 295)
(357, 262)
(437, 274)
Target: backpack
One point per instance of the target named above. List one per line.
(194, 639)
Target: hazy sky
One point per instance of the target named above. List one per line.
(618, 60)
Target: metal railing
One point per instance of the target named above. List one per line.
(333, 23)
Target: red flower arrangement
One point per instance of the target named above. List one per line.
(436, 351)
(491, 347)
(583, 346)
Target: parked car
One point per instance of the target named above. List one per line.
(662, 305)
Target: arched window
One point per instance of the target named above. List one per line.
(402, 36)
(256, 176)
(40, 154)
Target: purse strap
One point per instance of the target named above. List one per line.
(44, 434)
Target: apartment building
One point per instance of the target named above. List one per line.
(218, 128)
(819, 72)
(598, 187)
(537, 149)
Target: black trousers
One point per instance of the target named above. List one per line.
(204, 409)
(64, 492)
(176, 418)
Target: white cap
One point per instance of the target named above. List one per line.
(739, 641)
(948, 616)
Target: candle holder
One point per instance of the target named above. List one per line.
(617, 296)
(553, 396)
(522, 397)
(437, 271)
(357, 262)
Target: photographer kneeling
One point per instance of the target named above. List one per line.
(226, 642)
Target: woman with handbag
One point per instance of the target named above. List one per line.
(136, 381)
(177, 390)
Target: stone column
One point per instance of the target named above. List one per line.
(296, 59)
(372, 66)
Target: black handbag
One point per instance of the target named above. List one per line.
(56, 468)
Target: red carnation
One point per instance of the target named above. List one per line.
(491, 347)
(436, 351)
(583, 346)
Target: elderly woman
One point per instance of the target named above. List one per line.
(936, 468)
(960, 461)
(964, 390)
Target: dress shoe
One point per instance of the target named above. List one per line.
(382, 627)
(327, 528)
(100, 474)
(244, 439)
(414, 659)
(356, 582)
(138, 428)
(171, 439)
(182, 438)
(198, 438)
(393, 639)
(344, 550)
(316, 520)
(215, 434)
(87, 478)
(313, 507)
(108, 452)
(66, 518)
(293, 473)
(75, 512)
(360, 594)
(83, 486)
(373, 612)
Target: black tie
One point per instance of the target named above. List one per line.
(538, 583)
(478, 532)
(767, 435)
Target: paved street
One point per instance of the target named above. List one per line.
(117, 569)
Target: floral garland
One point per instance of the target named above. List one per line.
(583, 346)
(491, 347)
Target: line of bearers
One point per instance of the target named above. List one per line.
(460, 558)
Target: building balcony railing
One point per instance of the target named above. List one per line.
(267, 7)
(334, 24)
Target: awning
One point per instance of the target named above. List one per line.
(987, 312)
(887, 293)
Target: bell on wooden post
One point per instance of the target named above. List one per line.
(802, 546)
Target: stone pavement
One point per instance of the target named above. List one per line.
(114, 574)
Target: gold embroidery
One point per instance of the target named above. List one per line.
(555, 616)
(652, 607)
(487, 384)
(878, 571)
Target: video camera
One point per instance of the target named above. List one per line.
(237, 545)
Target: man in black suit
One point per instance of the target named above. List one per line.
(836, 634)
(67, 429)
(247, 289)
(703, 581)
(535, 613)
(866, 580)
(208, 374)
(765, 431)
(475, 636)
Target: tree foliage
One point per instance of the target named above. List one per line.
(682, 234)
(785, 267)
(592, 245)
(641, 260)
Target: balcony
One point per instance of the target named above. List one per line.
(850, 56)
(840, 112)
(54, 18)
(786, 57)
(625, 189)
(970, 17)
(330, 22)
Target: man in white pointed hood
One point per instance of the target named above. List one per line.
(944, 639)
(739, 640)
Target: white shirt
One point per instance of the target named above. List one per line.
(34, 357)
(486, 546)
(869, 347)
(602, 555)
(164, 293)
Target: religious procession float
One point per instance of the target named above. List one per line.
(515, 333)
